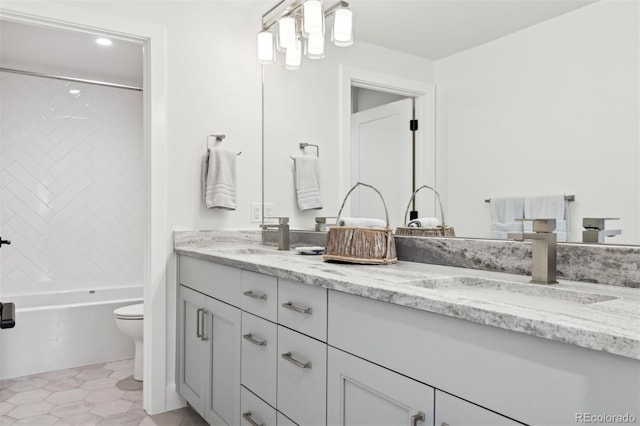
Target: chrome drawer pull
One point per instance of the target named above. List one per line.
(205, 321)
(247, 417)
(295, 362)
(298, 309)
(255, 341)
(253, 295)
(419, 417)
(198, 322)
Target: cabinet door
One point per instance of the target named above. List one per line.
(452, 411)
(223, 333)
(255, 412)
(362, 393)
(259, 356)
(192, 350)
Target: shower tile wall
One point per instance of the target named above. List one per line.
(72, 186)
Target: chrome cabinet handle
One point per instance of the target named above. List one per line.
(298, 309)
(253, 295)
(444, 424)
(247, 417)
(295, 362)
(419, 417)
(204, 335)
(198, 329)
(255, 341)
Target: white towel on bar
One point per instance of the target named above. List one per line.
(364, 222)
(504, 212)
(548, 207)
(306, 169)
(219, 179)
(425, 222)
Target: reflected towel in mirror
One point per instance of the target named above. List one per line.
(424, 222)
(364, 222)
(219, 179)
(306, 169)
(548, 207)
(504, 212)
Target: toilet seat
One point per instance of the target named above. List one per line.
(131, 312)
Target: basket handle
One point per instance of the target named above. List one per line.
(349, 193)
(406, 213)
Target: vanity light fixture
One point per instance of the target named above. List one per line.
(301, 28)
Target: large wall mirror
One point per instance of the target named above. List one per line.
(513, 99)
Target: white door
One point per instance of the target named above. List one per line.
(380, 140)
(360, 393)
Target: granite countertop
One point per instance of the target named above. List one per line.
(595, 316)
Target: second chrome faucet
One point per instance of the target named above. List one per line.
(543, 250)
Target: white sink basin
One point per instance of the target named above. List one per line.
(508, 291)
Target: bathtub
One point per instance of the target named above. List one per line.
(64, 330)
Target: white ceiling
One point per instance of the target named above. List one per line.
(70, 53)
(429, 28)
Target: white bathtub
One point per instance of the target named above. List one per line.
(65, 330)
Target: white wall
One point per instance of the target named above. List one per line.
(72, 186)
(304, 106)
(550, 109)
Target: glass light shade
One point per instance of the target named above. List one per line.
(266, 50)
(286, 32)
(312, 18)
(314, 48)
(342, 33)
(293, 56)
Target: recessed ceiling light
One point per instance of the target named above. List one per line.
(74, 91)
(104, 41)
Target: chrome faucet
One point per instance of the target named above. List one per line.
(283, 231)
(594, 231)
(544, 249)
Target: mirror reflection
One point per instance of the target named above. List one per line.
(533, 99)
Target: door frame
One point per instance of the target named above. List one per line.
(157, 395)
(425, 112)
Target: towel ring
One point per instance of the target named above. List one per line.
(219, 138)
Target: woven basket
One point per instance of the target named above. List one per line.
(354, 244)
(438, 231)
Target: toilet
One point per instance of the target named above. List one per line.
(130, 319)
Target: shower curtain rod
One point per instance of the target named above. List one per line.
(77, 80)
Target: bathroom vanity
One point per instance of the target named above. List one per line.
(271, 337)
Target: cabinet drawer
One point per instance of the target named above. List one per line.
(218, 281)
(303, 308)
(302, 377)
(260, 295)
(259, 356)
(255, 411)
(282, 420)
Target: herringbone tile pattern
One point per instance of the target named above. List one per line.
(72, 185)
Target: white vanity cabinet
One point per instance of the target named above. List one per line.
(209, 333)
(362, 393)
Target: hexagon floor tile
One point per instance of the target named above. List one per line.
(103, 394)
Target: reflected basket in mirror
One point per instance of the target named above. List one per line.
(360, 244)
(442, 230)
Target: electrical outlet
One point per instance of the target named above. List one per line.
(256, 211)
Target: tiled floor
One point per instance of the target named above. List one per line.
(102, 394)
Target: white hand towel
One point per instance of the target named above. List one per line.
(425, 222)
(307, 181)
(504, 212)
(219, 179)
(548, 207)
(364, 222)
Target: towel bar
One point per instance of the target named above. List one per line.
(219, 138)
(566, 197)
(303, 145)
